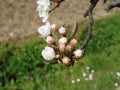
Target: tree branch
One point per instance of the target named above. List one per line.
(113, 4)
(89, 31)
(89, 13)
(91, 7)
(58, 2)
(75, 28)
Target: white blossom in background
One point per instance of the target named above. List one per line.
(116, 84)
(92, 71)
(88, 68)
(84, 74)
(43, 9)
(78, 80)
(48, 53)
(118, 74)
(91, 77)
(73, 81)
(44, 30)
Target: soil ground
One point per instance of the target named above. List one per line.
(19, 18)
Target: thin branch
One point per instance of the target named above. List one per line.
(91, 7)
(113, 4)
(57, 5)
(54, 8)
(75, 28)
(89, 32)
(89, 13)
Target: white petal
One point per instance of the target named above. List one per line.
(44, 19)
(43, 2)
(48, 53)
(44, 30)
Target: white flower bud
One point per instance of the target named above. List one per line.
(78, 53)
(66, 61)
(62, 47)
(69, 48)
(116, 84)
(48, 53)
(54, 27)
(62, 30)
(63, 40)
(74, 42)
(50, 40)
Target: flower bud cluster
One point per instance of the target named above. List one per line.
(59, 49)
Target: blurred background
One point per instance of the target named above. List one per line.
(19, 18)
(21, 63)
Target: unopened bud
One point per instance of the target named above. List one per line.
(78, 53)
(63, 40)
(54, 27)
(50, 40)
(62, 47)
(66, 61)
(74, 42)
(62, 30)
(69, 48)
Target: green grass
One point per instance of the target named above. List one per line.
(21, 65)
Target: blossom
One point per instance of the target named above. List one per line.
(44, 30)
(44, 3)
(62, 30)
(54, 27)
(43, 9)
(50, 40)
(63, 40)
(62, 47)
(66, 61)
(48, 53)
(43, 13)
(74, 42)
(78, 53)
(69, 48)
